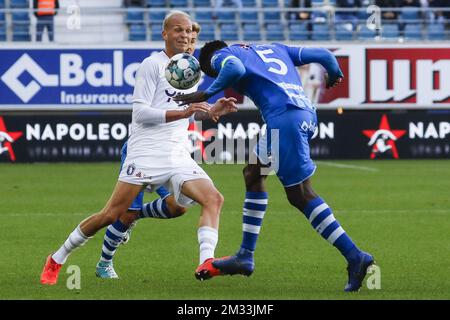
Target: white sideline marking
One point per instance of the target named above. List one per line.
(346, 166)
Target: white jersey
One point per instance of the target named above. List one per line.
(164, 144)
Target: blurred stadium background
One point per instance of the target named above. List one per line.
(68, 100)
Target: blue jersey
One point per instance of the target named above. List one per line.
(271, 79)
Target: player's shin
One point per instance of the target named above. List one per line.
(113, 237)
(75, 240)
(323, 221)
(156, 209)
(207, 240)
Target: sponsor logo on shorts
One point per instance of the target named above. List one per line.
(130, 170)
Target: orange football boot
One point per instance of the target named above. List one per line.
(206, 270)
(50, 272)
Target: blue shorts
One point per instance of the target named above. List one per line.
(138, 202)
(287, 147)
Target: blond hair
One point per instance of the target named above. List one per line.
(196, 27)
(174, 13)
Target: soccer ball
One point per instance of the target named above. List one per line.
(183, 71)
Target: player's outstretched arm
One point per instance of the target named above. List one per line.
(231, 70)
(327, 59)
(143, 113)
(220, 108)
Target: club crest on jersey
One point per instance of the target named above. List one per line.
(130, 170)
(311, 126)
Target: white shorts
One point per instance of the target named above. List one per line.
(171, 178)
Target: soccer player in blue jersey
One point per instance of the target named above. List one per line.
(267, 75)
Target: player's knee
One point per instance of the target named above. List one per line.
(110, 215)
(296, 200)
(214, 200)
(251, 175)
(177, 211)
(128, 218)
(109, 218)
(173, 208)
(299, 196)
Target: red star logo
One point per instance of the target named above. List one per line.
(384, 138)
(7, 138)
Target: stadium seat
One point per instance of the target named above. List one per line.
(155, 31)
(249, 17)
(208, 32)
(344, 31)
(410, 14)
(21, 32)
(2, 17)
(135, 16)
(298, 31)
(366, 33)
(2, 32)
(269, 3)
(156, 17)
(413, 31)
(156, 3)
(202, 3)
(252, 32)
(319, 16)
(18, 4)
(179, 3)
(271, 16)
(203, 16)
(2, 3)
(137, 32)
(274, 32)
(436, 32)
(320, 32)
(226, 16)
(390, 31)
(362, 15)
(249, 3)
(20, 17)
(229, 31)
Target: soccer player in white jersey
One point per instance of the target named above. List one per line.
(157, 155)
(164, 207)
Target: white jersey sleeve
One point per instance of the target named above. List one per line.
(146, 82)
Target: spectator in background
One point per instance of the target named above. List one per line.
(434, 16)
(410, 3)
(45, 11)
(347, 16)
(300, 15)
(134, 3)
(388, 15)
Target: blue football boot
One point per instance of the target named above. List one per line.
(357, 271)
(241, 263)
(105, 270)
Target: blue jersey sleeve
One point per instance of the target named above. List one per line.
(323, 56)
(294, 53)
(230, 70)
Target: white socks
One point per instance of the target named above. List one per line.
(76, 239)
(207, 239)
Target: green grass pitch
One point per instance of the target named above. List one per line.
(397, 210)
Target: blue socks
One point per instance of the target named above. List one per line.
(113, 236)
(255, 206)
(323, 221)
